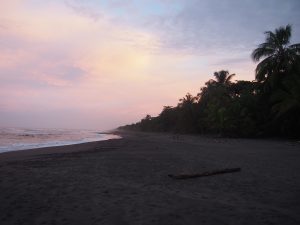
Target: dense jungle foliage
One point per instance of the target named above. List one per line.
(268, 106)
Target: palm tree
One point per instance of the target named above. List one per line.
(277, 57)
(223, 77)
(188, 99)
(187, 113)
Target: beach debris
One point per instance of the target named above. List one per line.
(204, 174)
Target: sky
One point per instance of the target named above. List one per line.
(99, 64)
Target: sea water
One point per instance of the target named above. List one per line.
(12, 139)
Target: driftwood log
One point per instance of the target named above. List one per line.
(205, 174)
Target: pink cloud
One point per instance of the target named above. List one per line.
(61, 69)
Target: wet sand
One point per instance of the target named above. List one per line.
(126, 181)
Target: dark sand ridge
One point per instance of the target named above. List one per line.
(125, 182)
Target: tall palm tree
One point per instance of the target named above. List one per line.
(223, 77)
(277, 58)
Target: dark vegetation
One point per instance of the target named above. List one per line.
(268, 106)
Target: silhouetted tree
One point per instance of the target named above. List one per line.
(278, 73)
(187, 114)
(277, 58)
(223, 77)
(268, 106)
(286, 106)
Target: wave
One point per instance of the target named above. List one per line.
(12, 139)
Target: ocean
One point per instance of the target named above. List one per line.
(12, 139)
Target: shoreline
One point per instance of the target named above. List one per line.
(125, 181)
(69, 148)
(126, 133)
(53, 144)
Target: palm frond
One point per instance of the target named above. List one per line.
(283, 34)
(264, 68)
(270, 37)
(221, 76)
(263, 50)
(228, 79)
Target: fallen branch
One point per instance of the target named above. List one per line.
(205, 174)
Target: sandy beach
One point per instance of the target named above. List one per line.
(126, 181)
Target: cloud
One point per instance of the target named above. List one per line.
(92, 63)
(84, 11)
(68, 46)
(207, 26)
(61, 63)
(199, 26)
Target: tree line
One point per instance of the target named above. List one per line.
(267, 106)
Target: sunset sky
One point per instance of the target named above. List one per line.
(104, 63)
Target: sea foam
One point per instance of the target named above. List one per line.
(12, 139)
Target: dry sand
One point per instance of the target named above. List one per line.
(125, 182)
